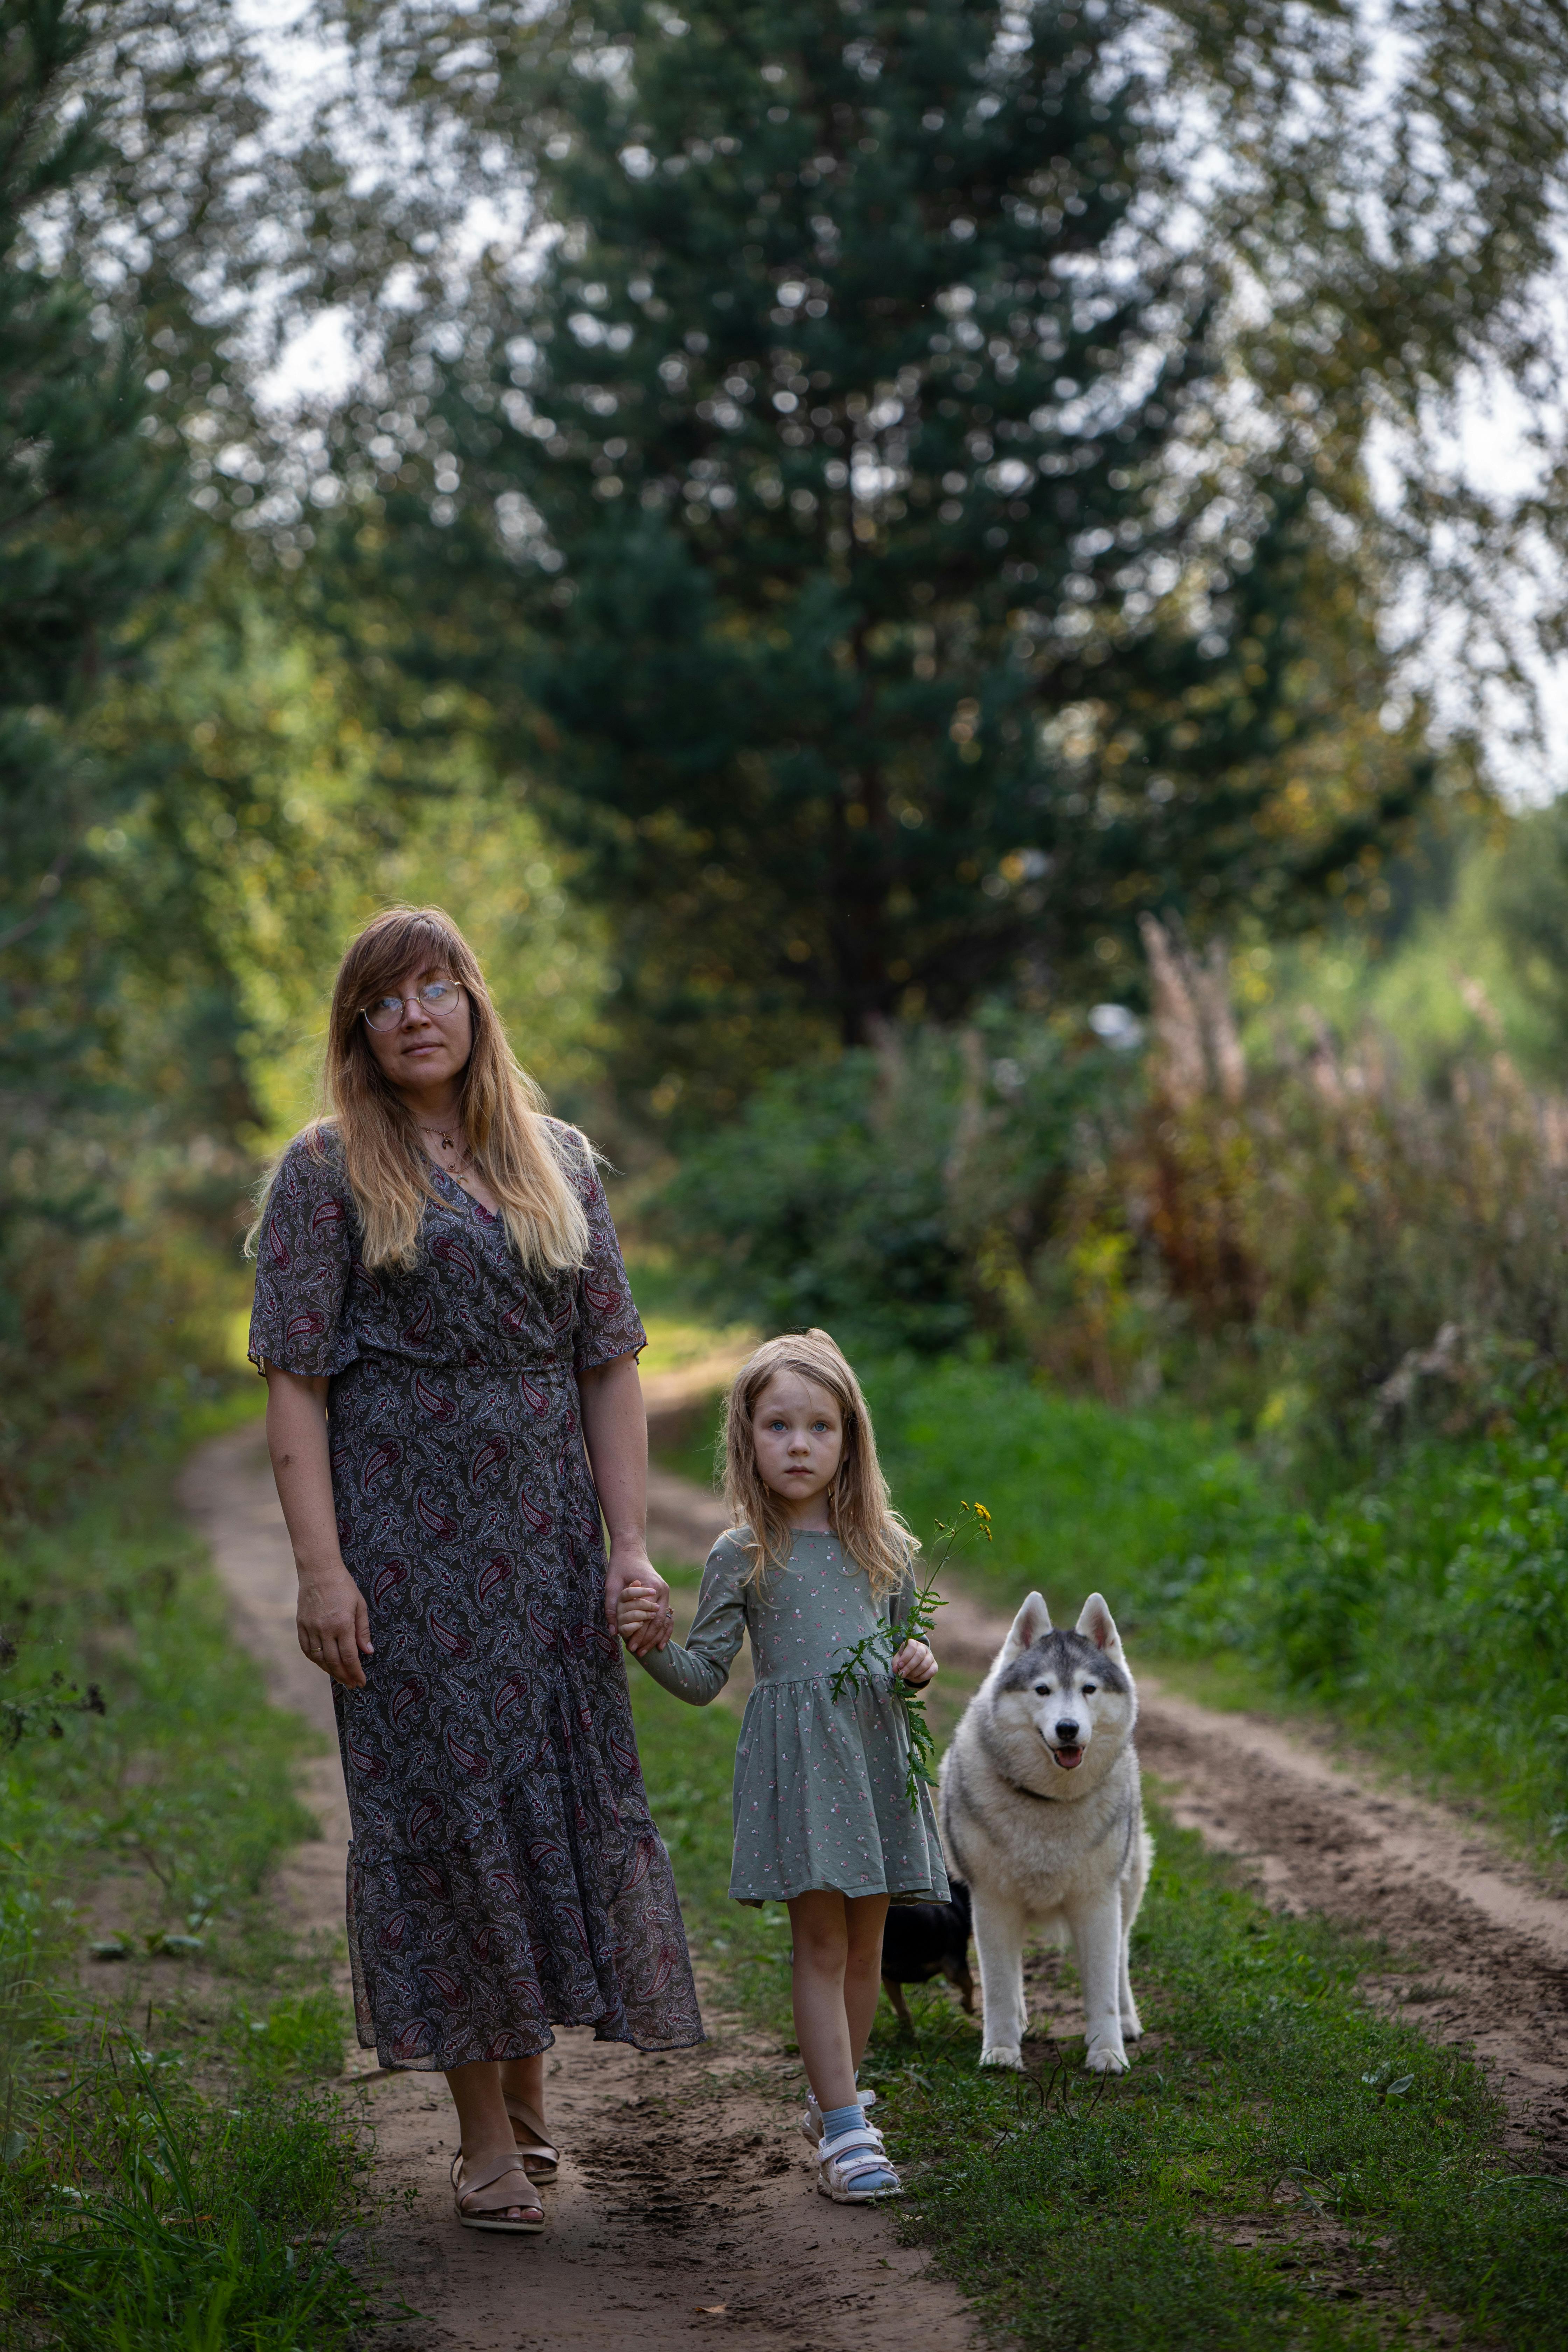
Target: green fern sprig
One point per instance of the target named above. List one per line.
(875, 1652)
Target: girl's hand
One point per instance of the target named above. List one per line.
(914, 1664)
(639, 1615)
(334, 1624)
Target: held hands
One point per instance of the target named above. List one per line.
(636, 1601)
(915, 1664)
(640, 1619)
(333, 1624)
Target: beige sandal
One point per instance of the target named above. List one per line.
(495, 2215)
(541, 2158)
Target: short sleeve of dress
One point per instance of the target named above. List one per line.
(305, 1258)
(607, 1325)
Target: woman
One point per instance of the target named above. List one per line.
(450, 1351)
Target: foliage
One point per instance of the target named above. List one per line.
(869, 1661)
(900, 1195)
(171, 2170)
(1355, 1248)
(184, 1785)
(149, 2216)
(272, 814)
(1422, 1606)
(848, 561)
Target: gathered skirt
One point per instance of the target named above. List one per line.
(820, 1798)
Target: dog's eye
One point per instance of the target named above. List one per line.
(1040, 1689)
(1089, 1690)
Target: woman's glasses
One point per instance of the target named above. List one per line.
(440, 998)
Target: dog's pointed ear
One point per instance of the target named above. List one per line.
(1098, 1626)
(1031, 1624)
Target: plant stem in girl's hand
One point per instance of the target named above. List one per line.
(875, 1652)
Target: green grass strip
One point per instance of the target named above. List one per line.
(174, 2176)
(1269, 2094)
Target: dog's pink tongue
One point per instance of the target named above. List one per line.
(1070, 1758)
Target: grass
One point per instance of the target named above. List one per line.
(175, 2169)
(1424, 1606)
(1283, 2167)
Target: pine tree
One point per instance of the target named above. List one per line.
(849, 584)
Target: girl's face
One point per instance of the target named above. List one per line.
(797, 1431)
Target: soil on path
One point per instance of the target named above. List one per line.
(683, 2206)
(1474, 1942)
(685, 2203)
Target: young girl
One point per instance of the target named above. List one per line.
(823, 1821)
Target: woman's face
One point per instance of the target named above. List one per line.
(424, 1051)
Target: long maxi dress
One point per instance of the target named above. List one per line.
(505, 1875)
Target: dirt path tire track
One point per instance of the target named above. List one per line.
(1477, 1943)
(683, 2186)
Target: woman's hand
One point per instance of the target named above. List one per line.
(333, 1620)
(614, 1431)
(631, 1570)
(914, 1664)
(334, 1624)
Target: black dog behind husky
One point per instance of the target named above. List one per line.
(923, 1940)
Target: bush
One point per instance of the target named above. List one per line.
(902, 1195)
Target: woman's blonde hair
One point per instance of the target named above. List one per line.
(498, 1105)
(859, 1509)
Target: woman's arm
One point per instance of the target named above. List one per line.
(614, 1431)
(333, 1621)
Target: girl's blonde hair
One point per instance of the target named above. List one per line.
(859, 1509)
(498, 1105)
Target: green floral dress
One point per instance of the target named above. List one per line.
(821, 1797)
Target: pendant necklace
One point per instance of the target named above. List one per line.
(449, 1142)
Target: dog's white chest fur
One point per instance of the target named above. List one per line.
(1042, 1816)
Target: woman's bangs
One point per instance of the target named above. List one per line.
(398, 944)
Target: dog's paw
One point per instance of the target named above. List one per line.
(1131, 2026)
(1106, 2059)
(1003, 2054)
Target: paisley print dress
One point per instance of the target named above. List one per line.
(505, 1875)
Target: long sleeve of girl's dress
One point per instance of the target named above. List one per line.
(902, 1602)
(698, 1669)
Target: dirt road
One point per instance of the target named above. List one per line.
(683, 2207)
(1475, 1942)
(686, 2204)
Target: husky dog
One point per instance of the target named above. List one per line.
(1042, 1814)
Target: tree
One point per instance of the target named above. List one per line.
(132, 192)
(812, 498)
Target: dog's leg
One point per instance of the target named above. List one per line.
(1132, 2023)
(999, 1940)
(963, 1983)
(1097, 1946)
(895, 1993)
(1132, 1888)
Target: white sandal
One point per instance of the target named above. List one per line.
(495, 2216)
(845, 2162)
(811, 2121)
(540, 2157)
